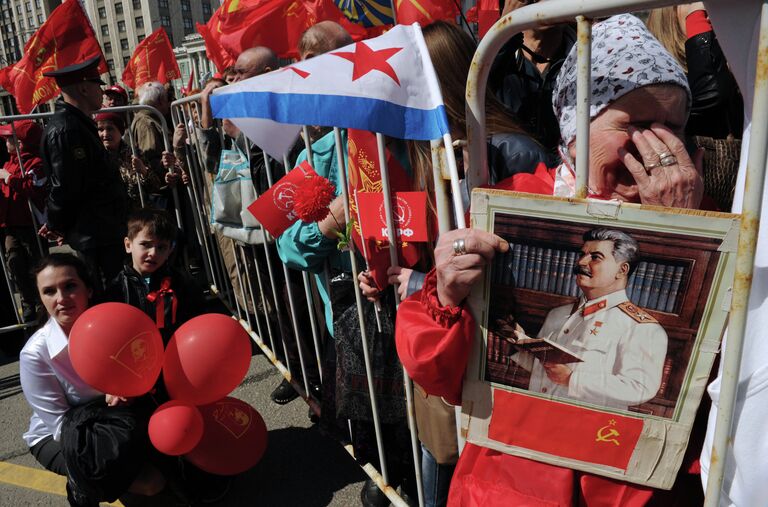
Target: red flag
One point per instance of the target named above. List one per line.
(425, 11)
(64, 39)
(276, 24)
(274, 208)
(564, 430)
(365, 176)
(409, 212)
(152, 60)
(190, 83)
(485, 14)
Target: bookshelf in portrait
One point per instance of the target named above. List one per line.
(597, 331)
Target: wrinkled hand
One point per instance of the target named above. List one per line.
(168, 160)
(138, 166)
(558, 373)
(399, 275)
(114, 400)
(456, 274)
(680, 185)
(5, 175)
(179, 136)
(50, 235)
(368, 286)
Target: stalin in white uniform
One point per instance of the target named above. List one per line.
(623, 347)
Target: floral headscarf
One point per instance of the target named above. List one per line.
(625, 57)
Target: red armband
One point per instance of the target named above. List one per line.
(697, 23)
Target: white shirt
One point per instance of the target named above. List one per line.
(49, 382)
(623, 357)
(737, 24)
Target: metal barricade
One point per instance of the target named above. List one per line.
(11, 286)
(262, 293)
(559, 11)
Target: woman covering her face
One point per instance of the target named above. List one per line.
(639, 108)
(640, 103)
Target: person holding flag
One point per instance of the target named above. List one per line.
(87, 203)
(510, 150)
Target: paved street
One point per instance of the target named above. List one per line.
(300, 467)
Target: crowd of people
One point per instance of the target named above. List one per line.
(109, 189)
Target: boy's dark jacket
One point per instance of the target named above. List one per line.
(129, 287)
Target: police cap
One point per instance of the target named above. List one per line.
(77, 73)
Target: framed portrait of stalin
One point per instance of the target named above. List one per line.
(597, 332)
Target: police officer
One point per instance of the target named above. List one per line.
(87, 203)
(623, 347)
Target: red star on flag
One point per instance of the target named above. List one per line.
(302, 73)
(366, 60)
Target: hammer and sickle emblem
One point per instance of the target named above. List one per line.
(608, 434)
(291, 10)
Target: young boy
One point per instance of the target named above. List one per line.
(170, 299)
(147, 282)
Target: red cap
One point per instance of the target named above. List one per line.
(115, 118)
(118, 90)
(27, 131)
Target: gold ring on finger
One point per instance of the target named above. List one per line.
(648, 167)
(459, 246)
(668, 160)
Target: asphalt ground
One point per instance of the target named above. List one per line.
(300, 467)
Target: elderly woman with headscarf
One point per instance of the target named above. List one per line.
(640, 103)
(133, 171)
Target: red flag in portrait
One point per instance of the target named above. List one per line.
(152, 60)
(564, 430)
(64, 39)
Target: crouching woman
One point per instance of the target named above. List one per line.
(74, 431)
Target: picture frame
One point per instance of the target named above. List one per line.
(607, 384)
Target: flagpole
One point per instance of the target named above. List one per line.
(310, 302)
(394, 12)
(377, 303)
(408, 384)
(361, 319)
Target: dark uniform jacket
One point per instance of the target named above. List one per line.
(87, 201)
(131, 288)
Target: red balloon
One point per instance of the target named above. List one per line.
(206, 358)
(117, 349)
(234, 438)
(175, 428)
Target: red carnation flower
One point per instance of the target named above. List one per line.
(312, 198)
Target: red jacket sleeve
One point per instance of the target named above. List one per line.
(433, 341)
(29, 181)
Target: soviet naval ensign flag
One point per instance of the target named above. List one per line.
(386, 85)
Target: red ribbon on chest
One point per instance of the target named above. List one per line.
(160, 297)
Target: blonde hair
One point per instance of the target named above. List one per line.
(664, 25)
